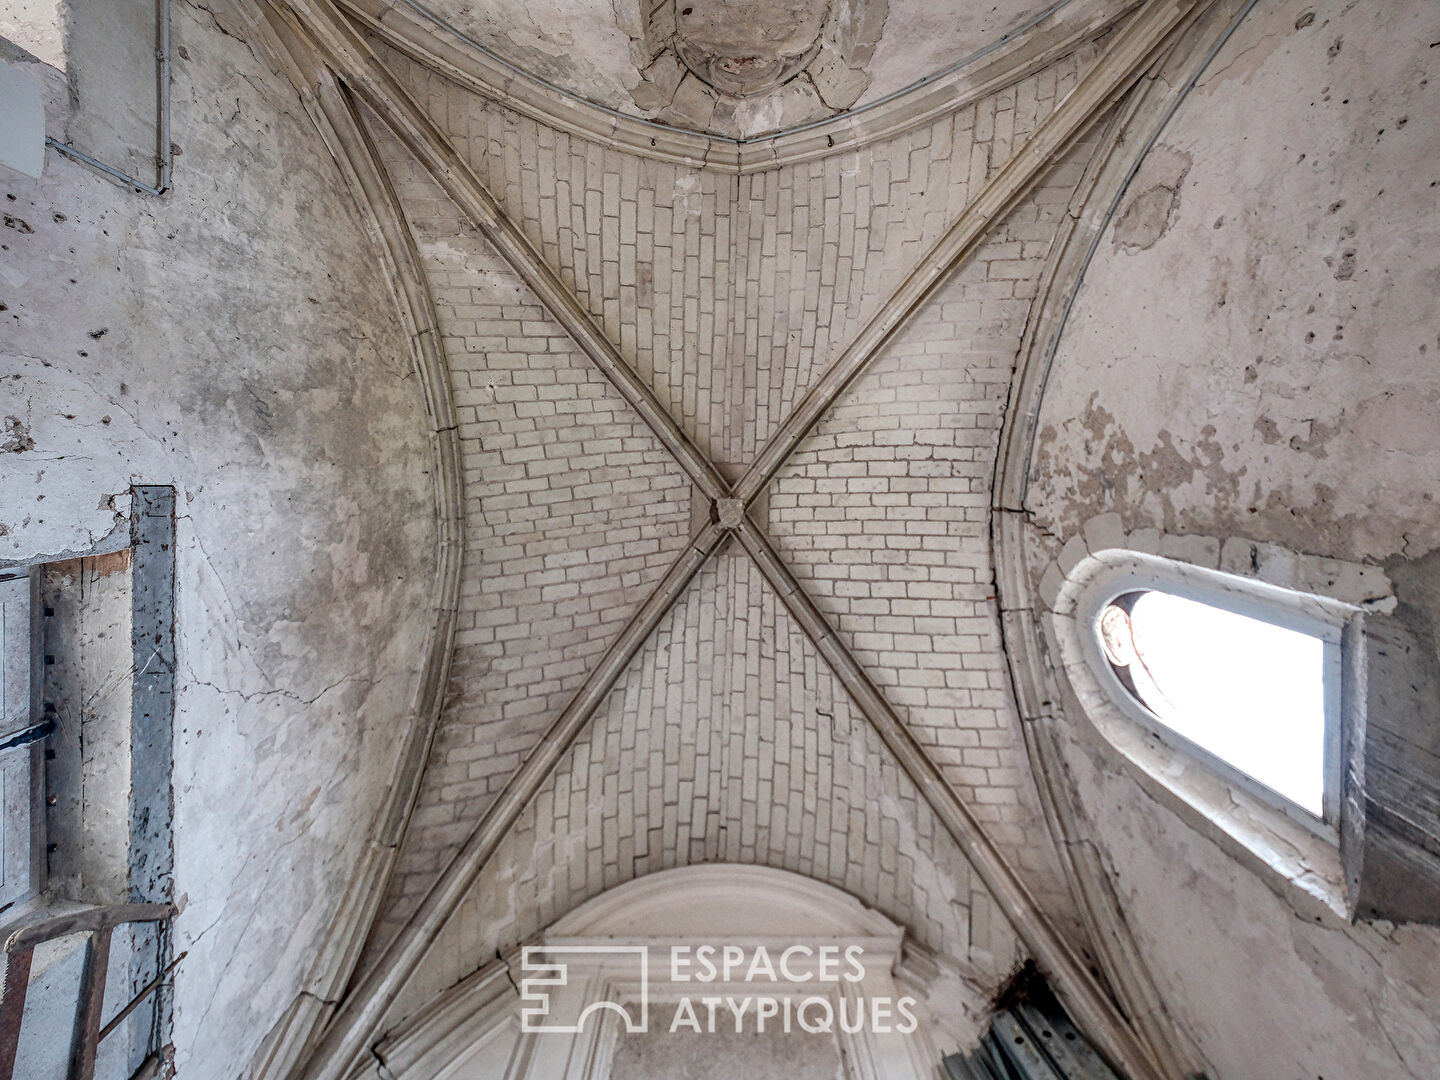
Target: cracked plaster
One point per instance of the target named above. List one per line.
(192, 341)
(1251, 354)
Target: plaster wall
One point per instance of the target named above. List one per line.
(662, 1055)
(110, 54)
(596, 50)
(237, 339)
(89, 685)
(922, 38)
(38, 27)
(1251, 354)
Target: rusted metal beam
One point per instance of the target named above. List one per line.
(19, 950)
(91, 920)
(92, 1004)
(148, 989)
(151, 1066)
(12, 1008)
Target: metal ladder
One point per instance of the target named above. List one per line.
(100, 924)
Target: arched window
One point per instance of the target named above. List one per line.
(1243, 678)
(1247, 693)
(1240, 703)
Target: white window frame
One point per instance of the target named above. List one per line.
(1194, 782)
(1255, 600)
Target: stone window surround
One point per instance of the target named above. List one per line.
(1325, 596)
(1103, 577)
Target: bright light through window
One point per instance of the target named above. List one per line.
(1247, 691)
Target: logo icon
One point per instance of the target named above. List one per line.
(547, 969)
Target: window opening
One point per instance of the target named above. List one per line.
(1244, 690)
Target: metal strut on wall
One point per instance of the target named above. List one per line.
(164, 157)
(1030, 1038)
(146, 917)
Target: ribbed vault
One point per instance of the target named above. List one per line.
(728, 738)
(547, 587)
(655, 363)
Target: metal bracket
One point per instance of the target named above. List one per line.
(164, 157)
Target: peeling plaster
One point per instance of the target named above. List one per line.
(1251, 355)
(192, 341)
(1255, 326)
(1149, 211)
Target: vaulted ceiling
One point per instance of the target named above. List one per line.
(726, 433)
(657, 434)
(728, 391)
(596, 48)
